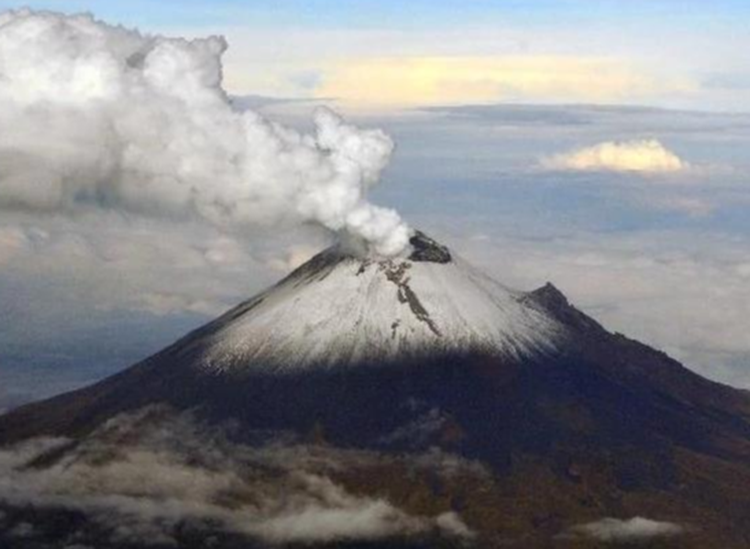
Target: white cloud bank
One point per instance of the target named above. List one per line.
(648, 285)
(635, 529)
(640, 156)
(99, 116)
(144, 478)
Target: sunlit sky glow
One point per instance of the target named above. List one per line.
(366, 53)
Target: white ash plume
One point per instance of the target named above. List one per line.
(94, 115)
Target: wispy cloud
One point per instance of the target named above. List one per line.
(694, 206)
(422, 81)
(634, 529)
(292, 258)
(146, 477)
(12, 241)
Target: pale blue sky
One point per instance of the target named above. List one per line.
(670, 53)
(414, 13)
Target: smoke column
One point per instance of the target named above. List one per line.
(93, 115)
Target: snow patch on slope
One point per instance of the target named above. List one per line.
(343, 310)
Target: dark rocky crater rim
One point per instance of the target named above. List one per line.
(426, 249)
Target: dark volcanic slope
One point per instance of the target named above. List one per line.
(596, 426)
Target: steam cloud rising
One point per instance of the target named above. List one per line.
(94, 115)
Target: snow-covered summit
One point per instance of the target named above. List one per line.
(339, 310)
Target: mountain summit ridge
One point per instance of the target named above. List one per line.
(340, 309)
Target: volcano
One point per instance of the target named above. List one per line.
(574, 436)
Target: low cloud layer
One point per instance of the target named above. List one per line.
(97, 116)
(149, 477)
(647, 285)
(640, 156)
(634, 529)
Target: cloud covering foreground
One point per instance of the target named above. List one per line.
(153, 478)
(97, 116)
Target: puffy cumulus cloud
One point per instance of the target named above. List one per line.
(641, 156)
(101, 116)
(151, 476)
(634, 529)
(402, 81)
